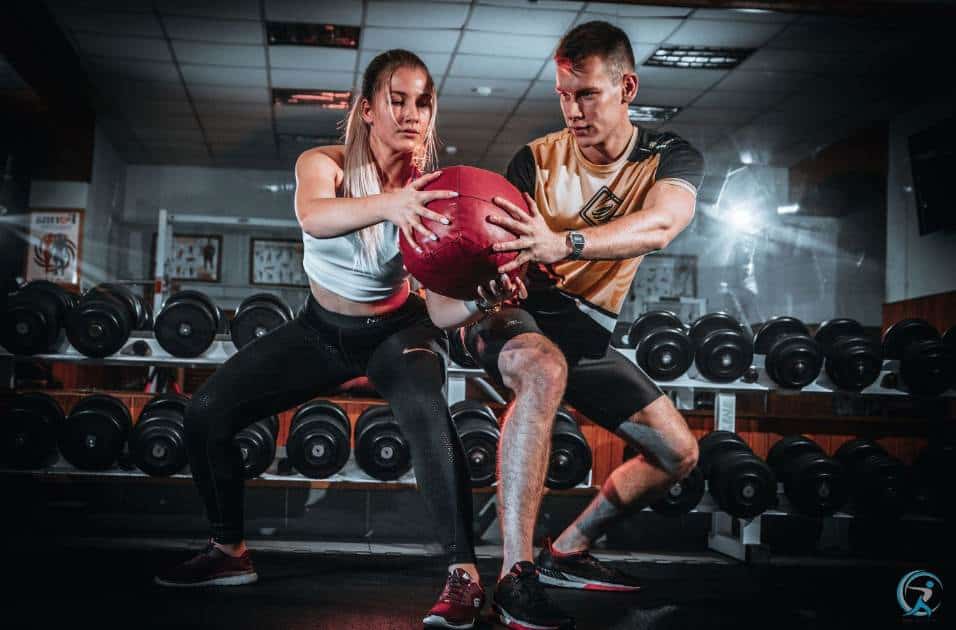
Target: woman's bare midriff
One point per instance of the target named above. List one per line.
(343, 306)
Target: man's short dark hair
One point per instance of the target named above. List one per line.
(600, 39)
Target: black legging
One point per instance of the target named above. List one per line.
(401, 352)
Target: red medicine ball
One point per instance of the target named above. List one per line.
(462, 257)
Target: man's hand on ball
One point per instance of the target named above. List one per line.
(408, 208)
(536, 241)
(502, 289)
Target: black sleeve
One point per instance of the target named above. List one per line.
(679, 160)
(521, 172)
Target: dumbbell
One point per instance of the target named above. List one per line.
(380, 448)
(814, 482)
(682, 497)
(94, 433)
(257, 315)
(34, 318)
(852, 359)
(187, 324)
(257, 446)
(724, 350)
(570, 460)
(157, 444)
(662, 347)
(103, 319)
(742, 484)
(949, 337)
(878, 481)
(793, 358)
(319, 437)
(927, 362)
(28, 431)
(478, 431)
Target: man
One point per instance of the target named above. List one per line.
(603, 193)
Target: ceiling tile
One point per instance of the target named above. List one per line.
(312, 58)
(208, 30)
(459, 119)
(143, 24)
(527, 21)
(209, 109)
(560, 5)
(702, 115)
(158, 135)
(479, 42)
(238, 94)
(224, 124)
(135, 70)
(681, 78)
(836, 35)
(648, 30)
(744, 15)
(122, 90)
(147, 48)
(543, 89)
(801, 60)
(158, 120)
(504, 88)
(721, 33)
(342, 12)
(540, 108)
(744, 100)
(235, 9)
(631, 10)
(494, 67)
(665, 97)
(416, 14)
(224, 75)
(437, 62)
(220, 54)
(476, 104)
(139, 6)
(762, 81)
(417, 40)
(146, 107)
(311, 80)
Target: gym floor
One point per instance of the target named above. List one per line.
(106, 585)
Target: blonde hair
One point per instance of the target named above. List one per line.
(361, 176)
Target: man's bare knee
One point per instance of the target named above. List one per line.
(533, 361)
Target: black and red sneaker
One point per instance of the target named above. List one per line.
(459, 603)
(583, 571)
(521, 603)
(210, 567)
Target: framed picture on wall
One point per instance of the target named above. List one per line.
(276, 262)
(55, 246)
(667, 276)
(193, 257)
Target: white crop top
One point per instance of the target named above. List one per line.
(331, 263)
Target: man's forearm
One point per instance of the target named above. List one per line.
(630, 236)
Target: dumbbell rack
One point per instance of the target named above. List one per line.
(734, 537)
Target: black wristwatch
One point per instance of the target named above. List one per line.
(575, 241)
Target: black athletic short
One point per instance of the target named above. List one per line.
(602, 384)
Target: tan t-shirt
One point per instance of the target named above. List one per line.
(573, 193)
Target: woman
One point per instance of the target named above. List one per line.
(360, 318)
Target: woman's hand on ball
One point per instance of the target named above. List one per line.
(502, 289)
(408, 208)
(536, 241)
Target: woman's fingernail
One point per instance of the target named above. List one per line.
(454, 193)
(445, 221)
(434, 238)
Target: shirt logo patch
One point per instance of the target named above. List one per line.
(602, 207)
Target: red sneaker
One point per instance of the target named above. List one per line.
(458, 605)
(210, 567)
